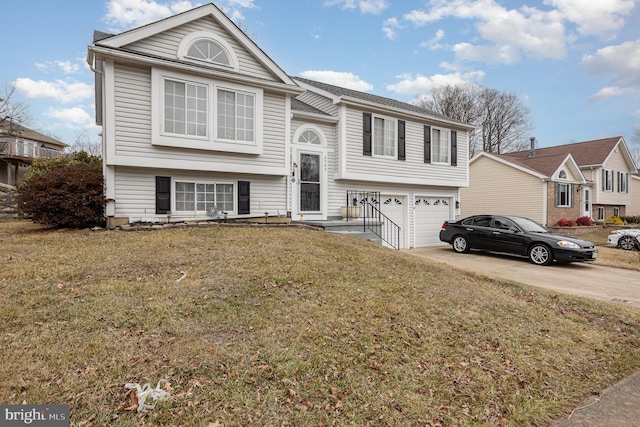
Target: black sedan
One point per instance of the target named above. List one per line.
(518, 236)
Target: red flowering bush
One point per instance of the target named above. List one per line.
(563, 222)
(584, 220)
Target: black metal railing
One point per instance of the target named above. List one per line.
(365, 204)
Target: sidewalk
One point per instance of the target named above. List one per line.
(617, 406)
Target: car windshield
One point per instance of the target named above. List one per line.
(529, 225)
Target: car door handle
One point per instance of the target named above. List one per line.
(497, 233)
(469, 229)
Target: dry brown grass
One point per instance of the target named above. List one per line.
(285, 326)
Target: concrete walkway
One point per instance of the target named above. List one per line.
(617, 406)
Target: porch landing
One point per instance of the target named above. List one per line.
(353, 228)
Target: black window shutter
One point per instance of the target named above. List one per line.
(366, 134)
(454, 148)
(401, 141)
(244, 205)
(427, 144)
(163, 194)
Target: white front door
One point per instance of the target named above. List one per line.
(309, 188)
(585, 209)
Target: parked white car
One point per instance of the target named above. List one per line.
(624, 238)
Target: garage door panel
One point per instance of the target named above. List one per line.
(430, 213)
(393, 207)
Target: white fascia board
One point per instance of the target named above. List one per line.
(187, 68)
(154, 28)
(508, 163)
(315, 117)
(571, 164)
(399, 180)
(191, 165)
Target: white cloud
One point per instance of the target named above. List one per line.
(621, 61)
(433, 44)
(389, 27)
(374, 7)
(67, 67)
(510, 33)
(125, 14)
(71, 116)
(59, 90)
(412, 85)
(601, 17)
(337, 78)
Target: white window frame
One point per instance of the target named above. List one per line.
(210, 141)
(389, 125)
(191, 38)
(623, 182)
(607, 180)
(601, 213)
(302, 130)
(195, 210)
(616, 211)
(436, 155)
(568, 189)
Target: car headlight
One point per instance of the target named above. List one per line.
(567, 244)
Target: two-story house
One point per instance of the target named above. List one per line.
(19, 146)
(197, 119)
(591, 178)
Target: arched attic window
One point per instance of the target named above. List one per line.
(208, 50)
(310, 136)
(562, 174)
(204, 46)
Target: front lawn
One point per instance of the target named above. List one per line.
(289, 326)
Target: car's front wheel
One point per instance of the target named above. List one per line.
(626, 243)
(460, 244)
(540, 254)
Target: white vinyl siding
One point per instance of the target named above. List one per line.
(413, 170)
(166, 45)
(132, 130)
(135, 193)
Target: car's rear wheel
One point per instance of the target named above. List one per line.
(540, 254)
(460, 244)
(626, 243)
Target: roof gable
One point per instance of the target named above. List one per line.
(208, 11)
(339, 94)
(14, 130)
(587, 153)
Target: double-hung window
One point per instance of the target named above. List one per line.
(235, 115)
(623, 182)
(564, 195)
(439, 146)
(185, 108)
(607, 180)
(384, 137)
(201, 197)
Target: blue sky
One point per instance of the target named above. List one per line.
(574, 63)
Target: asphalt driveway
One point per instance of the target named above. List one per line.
(583, 279)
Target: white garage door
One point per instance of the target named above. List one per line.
(430, 213)
(394, 207)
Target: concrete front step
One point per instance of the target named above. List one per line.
(353, 228)
(363, 235)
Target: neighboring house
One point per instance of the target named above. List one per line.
(19, 146)
(197, 118)
(634, 209)
(591, 178)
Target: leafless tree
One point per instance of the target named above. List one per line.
(503, 121)
(84, 142)
(12, 112)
